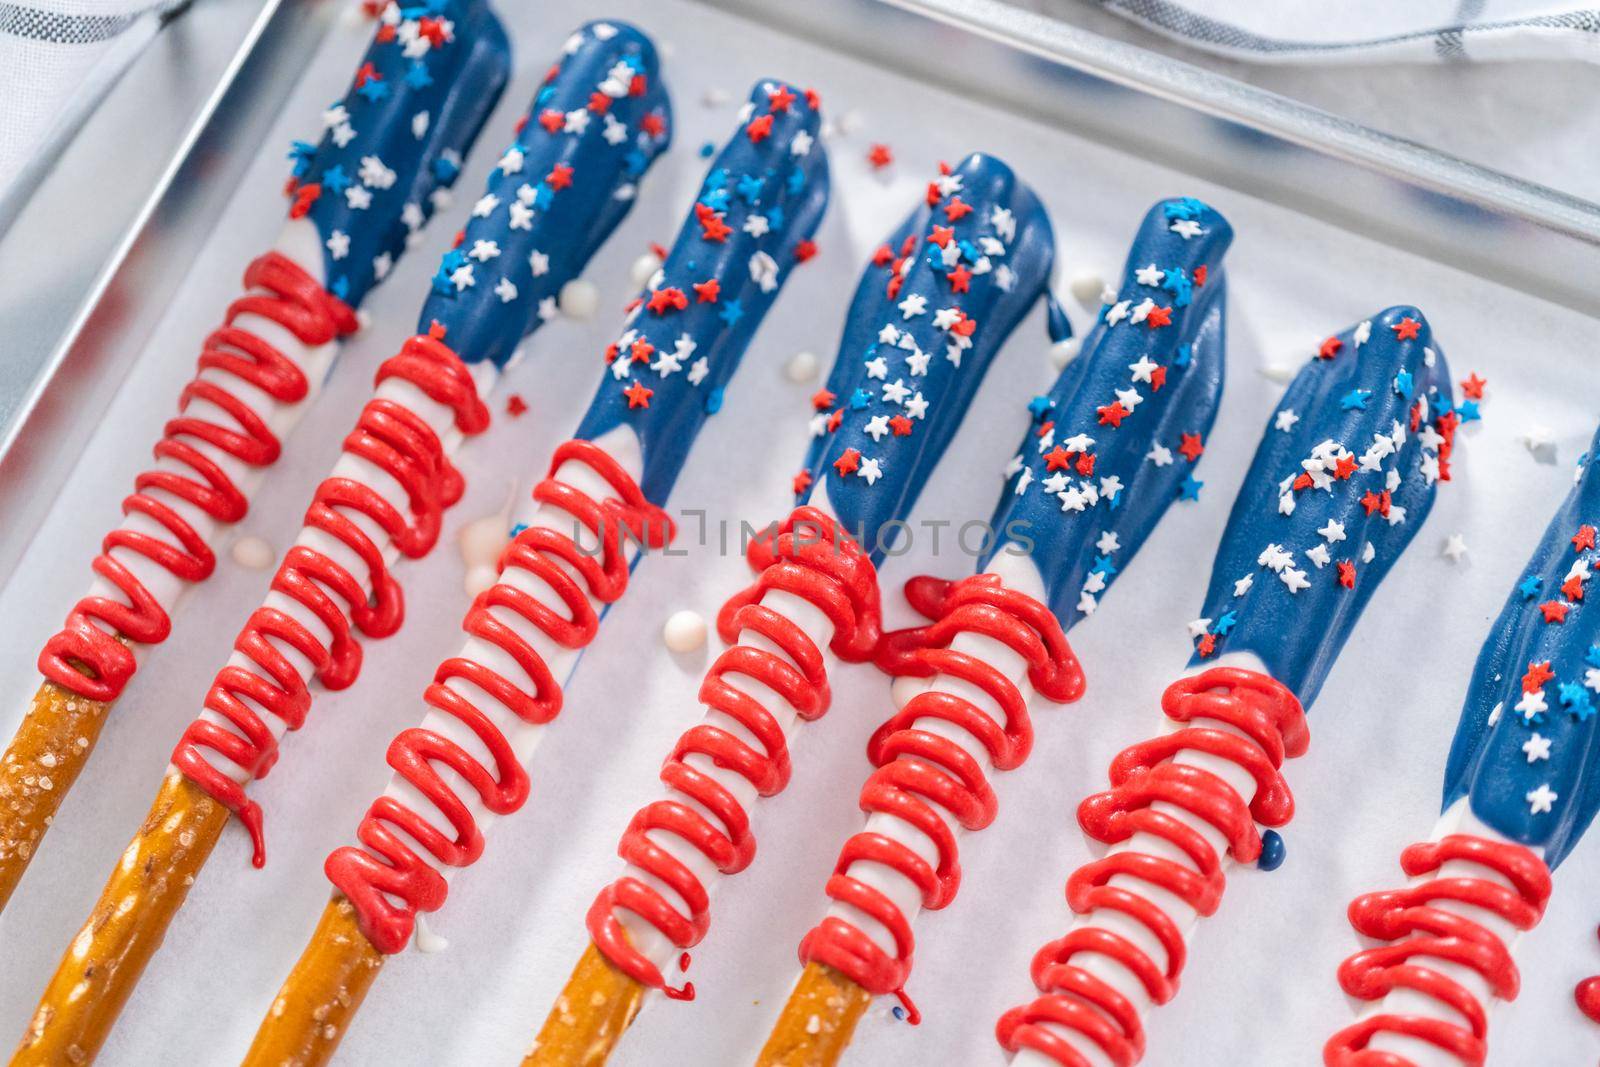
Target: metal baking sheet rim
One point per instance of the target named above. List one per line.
(1516, 233)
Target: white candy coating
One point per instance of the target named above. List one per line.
(1064, 352)
(1087, 288)
(802, 367)
(252, 552)
(580, 299)
(685, 631)
(480, 578)
(643, 267)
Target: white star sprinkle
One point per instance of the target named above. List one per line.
(1455, 548)
(1542, 799)
(1537, 746)
(505, 290)
(870, 470)
(338, 244)
(1285, 420)
(1242, 586)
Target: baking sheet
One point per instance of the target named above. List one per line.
(515, 920)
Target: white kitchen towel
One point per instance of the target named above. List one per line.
(57, 58)
(1368, 31)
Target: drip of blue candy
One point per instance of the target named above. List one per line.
(395, 142)
(1115, 442)
(930, 312)
(1525, 752)
(558, 191)
(1344, 477)
(762, 200)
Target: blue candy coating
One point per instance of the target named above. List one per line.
(556, 194)
(1372, 406)
(1273, 852)
(1504, 754)
(1089, 482)
(417, 103)
(762, 199)
(1003, 249)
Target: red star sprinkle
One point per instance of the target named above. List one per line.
(432, 29)
(515, 405)
(1406, 329)
(964, 325)
(637, 86)
(960, 279)
(560, 176)
(901, 426)
(1584, 538)
(1554, 611)
(780, 99)
(1207, 645)
(552, 120)
(437, 330)
(802, 482)
(1373, 502)
(304, 197)
(813, 99)
(712, 228)
(1472, 387)
(386, 33)
(667, 299)
(1347, 574)
(1302, 482)
(883, 256)
(638, 396)
(848, 462)
(1112, 414)
(822, 399)
(759, 129)
(934, 195)
(941, 235)
(1158, 378)
(706, 292)
(1572, 588)
(1158, 317)
(804, 250)
(835, 420)
(1538, 674)
(879, 156)
(1086, 464)
(368, 73)
(653, 124)
(642, 350)
(1200, 276)
(957, 209)
(599, 102)
(1057, 458)
(1330, 348)
(1191, 446)
(1344, 467)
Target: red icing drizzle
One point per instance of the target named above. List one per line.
(808, 556)
(1074, 999)
(1418, 930)
(285, 294)
(921, 775)
(1587, 994)
(387, 867)
(399, 442)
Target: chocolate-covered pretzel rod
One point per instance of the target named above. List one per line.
(358, 199)
(1107, 452)
(558, 191)
(1341, 482)
(578, 538)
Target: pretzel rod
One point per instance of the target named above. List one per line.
(1094, 475)
(963, 287)
(489, 704)
(595, 1008)
(1520, 791)
(327, 985)
(818, 1020)
(387, 492)
(357, 199)
(1343, 478)
(126, 927)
